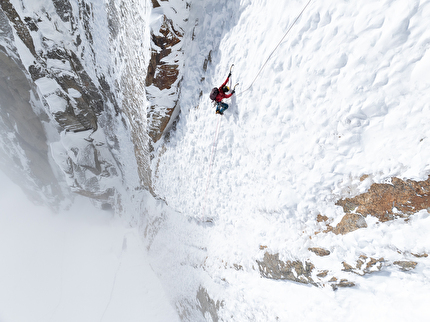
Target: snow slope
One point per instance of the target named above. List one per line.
(344, 95)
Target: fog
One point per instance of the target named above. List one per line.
(79, 265)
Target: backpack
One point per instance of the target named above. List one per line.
(214, 93)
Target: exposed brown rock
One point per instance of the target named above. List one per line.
(319, 251)
(349, 223)
(342, 283)
(322, 274)
(238, 267)
(156, 4)
(347, 267)
(420, 255)
(382, 200)
(406, 265)
(324, 220)
(364, 177)
(321, 218)
(364, 265)
(163, 75)
(272, 267)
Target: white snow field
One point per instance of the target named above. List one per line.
(346, 94)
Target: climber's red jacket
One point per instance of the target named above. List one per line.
(221, 95)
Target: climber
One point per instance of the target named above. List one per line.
(218, 94)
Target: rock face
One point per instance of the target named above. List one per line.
(272, 267)
(72, 96)
(85, 78)
(305, 272)
(319, 251)
(297, 271)
(165, 66)
(61, 111)
(405, 265)
(389, 201)
(400, 199)
(349, 223)
(335, 284)
(207, 305)
(364, 265)
(22, 136)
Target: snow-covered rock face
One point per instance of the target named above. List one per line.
(47, 45)
(165, 70)
(23, 139)
(73, 98)
(89, 80)
(69, 97)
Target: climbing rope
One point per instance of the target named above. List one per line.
(214, 144)
(297, 18)
(219, 118)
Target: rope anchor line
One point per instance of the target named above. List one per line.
(262, 67)
(252, 83)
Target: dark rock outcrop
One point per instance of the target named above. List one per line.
(81, 109)
(164, 73)
(19, 25)
(297, 271)
(207, 305)
(406, 265)
(364, 265)
(349, 223)
(319, 251)
(274, 268)
(335, 284)
(401, 198)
